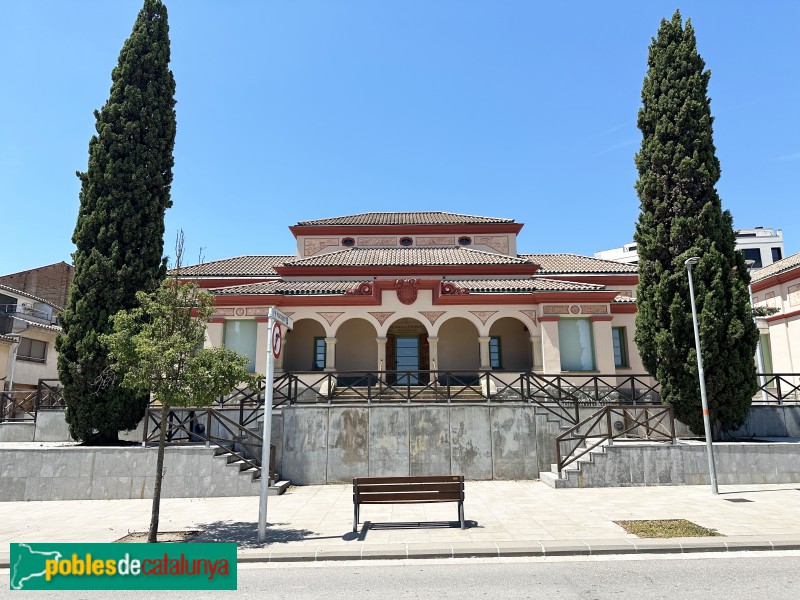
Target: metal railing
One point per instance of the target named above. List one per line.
(23, 405)
(777, 388)
(188, 425)
(612, 422)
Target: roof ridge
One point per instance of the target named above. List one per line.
(31, 296)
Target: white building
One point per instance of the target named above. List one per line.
(762, 245)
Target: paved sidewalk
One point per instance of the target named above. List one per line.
(504, 518)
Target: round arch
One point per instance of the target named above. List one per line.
(356, 346)
(510, 349)
(458, 347)
(301, 345)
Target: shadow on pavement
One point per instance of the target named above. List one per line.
(245, 534)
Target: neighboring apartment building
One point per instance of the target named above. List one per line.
(778, 286)
(761, 245)
(27, 339)
(421, 292)
(50, 282)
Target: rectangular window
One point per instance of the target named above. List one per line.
(776, 254)
(576, 343)
(32, 350)
(620, 347)
(753, 254)
(320, 351)
(495, 356)
(240, 336)
(766, 353)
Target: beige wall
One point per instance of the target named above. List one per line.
(356, 346)
(515, 344)
(784, 333)
(458, 346)
(5, 352)
(29, 373)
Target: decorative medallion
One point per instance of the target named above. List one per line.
(314, 245)
(380, 317)
(483, 315)
(436, 241)
(574, 309)
(432, 315)
(223, 312)
(531, 314)
(550, 309)
(362, 289)
(406, 290)
(448, 288)
(330, 317)
(377, 241)
(239, 312)
(257, 311)
(593, 309)
(495, 242)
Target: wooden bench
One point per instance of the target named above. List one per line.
(408, 490)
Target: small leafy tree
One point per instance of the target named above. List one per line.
(156, 348)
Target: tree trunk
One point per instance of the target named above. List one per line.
(162, 440)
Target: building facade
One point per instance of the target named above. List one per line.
(417, 295)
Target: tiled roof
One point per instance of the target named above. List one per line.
(372, 257)
(291, 288)
(27, 295)
(406, 218)
(37, 324)
(9, 339)
(245, 266)
(575, 263)
(779, 266)
(625, 300)
(512, 286)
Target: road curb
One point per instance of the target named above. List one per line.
(506, 549)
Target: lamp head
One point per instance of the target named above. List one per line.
(690, 262)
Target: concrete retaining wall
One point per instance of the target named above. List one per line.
(85, 473)
(686, 464)
(327, 444)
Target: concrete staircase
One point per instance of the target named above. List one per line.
(572, 476)
(253, 475)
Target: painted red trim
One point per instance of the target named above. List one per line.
(406, 271)
(262, 319)
(623, 309)
(780, 317)
(546, 318)
(601, 318)
(351, 230)
(778, 279)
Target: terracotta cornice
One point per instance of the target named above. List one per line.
(623, 309)
(601, 318)
(549, 318)
(456, 228)
(778, 279)
(780, 317)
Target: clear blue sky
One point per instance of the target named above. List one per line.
(298, 110)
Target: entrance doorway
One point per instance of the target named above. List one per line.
(406, 351)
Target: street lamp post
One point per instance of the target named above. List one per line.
(712, 470)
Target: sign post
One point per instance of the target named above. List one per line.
(274, 348)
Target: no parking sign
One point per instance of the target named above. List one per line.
(277, 340)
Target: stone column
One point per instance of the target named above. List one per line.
(330, 353)
(551, 354)
(536, 352)
(381, 353)
(603, 344)
(433, 348)
(262, 344)
(485, 363)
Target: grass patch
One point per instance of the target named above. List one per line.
(666, 528)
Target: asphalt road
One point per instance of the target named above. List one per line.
(745, 576)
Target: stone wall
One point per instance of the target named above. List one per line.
(328, 444)
(86, 473)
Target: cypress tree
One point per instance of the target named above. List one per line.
(119, 235)
(681, 216)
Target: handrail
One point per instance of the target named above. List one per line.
(599, 429)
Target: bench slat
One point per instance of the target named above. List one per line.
(454, 486)
(421, 479)
(410, 497)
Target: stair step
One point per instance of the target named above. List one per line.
(552, 480)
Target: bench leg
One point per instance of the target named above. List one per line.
(461, 514)
(355, 517)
